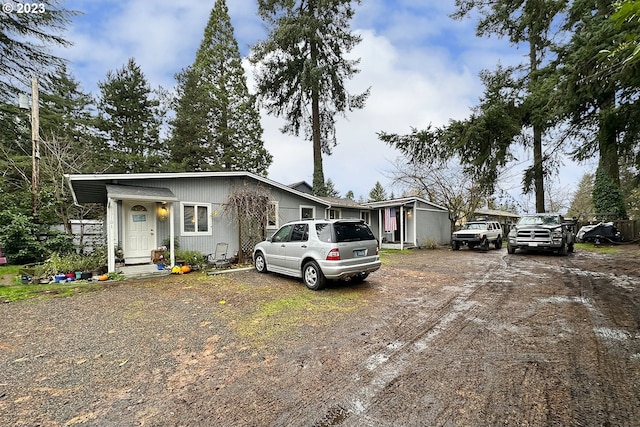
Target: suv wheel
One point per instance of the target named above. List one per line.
(498, 242)
(312, 276)
(260, 263)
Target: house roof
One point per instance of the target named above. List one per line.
(402, 202)
(345, 203)
(303, 186)
(92, 188)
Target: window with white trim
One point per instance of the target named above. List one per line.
(196, 219)
(307, 212)
(333, 213)
(273, 212)
(366, 216)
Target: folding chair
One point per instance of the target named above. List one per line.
(218, 259)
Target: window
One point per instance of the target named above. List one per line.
(196, 219)
(272, 215)
(333, 213)
(307, 212)
(138, 213)
(366, 216)
(282, 235)
(300, 233)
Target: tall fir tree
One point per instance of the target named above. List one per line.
(303, 70)
(599, 97)
(128, 119)
(377, 193)
(25, 41)
(217, 124)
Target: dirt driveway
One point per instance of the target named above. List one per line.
(435, 338)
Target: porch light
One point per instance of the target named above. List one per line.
(163, 212)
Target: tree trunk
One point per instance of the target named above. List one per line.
(538, 170)
(318, 173)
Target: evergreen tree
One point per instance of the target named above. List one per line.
(66, 110)
(526, 22)
(582, 204)
(608, 200)
(25, 39)
(217, 124)
(129, 122)
(330, 189)
(377, 193)
(303, 70)
(599, 97)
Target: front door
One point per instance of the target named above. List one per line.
(139, 231)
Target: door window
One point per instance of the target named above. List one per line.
(282, 235)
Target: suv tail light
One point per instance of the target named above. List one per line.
(333, 255)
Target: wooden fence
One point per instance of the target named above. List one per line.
(629, 229)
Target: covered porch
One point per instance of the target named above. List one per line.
(397, 226)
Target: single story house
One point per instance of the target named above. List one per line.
(145, 210)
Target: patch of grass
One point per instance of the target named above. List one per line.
(387, 254)
(19, 292)
(276, 319)
(10, 274)
(604, 249)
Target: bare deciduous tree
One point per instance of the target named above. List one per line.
(447, 186)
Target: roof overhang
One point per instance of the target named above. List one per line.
(130, 192)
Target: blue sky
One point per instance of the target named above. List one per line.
(421, 65)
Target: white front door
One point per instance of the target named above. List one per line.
(139, 231)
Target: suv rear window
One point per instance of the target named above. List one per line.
(344, 232)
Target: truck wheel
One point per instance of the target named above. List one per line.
(485, 244)
(455, 245)
(563, 250)
(510, 249)
(498, 242)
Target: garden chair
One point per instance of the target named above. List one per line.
(218, 259)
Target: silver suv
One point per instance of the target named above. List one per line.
(317, 250)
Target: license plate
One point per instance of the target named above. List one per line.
(534, 244)
(359, 252)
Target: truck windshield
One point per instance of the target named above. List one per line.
(539, 220)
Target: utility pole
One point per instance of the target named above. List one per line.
(35, 145)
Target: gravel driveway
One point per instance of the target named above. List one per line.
(434, 338)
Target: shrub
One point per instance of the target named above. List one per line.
(193, 258)
(429, 243)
